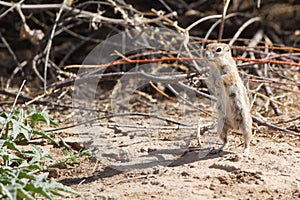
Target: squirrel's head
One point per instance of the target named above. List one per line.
(219, 53)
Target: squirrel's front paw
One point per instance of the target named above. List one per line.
(228, 79)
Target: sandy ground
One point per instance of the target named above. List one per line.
(133, 165)
(143, 157)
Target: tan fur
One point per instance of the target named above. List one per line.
(233, 103)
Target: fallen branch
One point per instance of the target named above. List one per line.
(264, 123)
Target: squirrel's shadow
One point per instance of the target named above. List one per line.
(196, 154)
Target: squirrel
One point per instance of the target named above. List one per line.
(233, 103)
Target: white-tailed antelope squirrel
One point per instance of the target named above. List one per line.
(233, 103)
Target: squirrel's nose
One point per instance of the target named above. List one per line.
(208, 55)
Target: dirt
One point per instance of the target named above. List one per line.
(270, 172)
(131, 163)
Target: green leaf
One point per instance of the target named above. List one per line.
(12, 145)
(18, 127)
(45, 135)
(10, 158)
(24, 194)
(33, 187)
(35, 166)
(40, 116)
(36, 117)
(26, 174)
(42, 191)
(2, 143)
(3, 117)
(11, 191)
(58, 186)
(45, 114)
(87, 152)
(5, 192)
(36, 154)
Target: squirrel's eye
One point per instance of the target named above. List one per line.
(219, 49)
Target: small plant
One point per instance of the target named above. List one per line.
(20, 126)
(72, 158)
(21, 175)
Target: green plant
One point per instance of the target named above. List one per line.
(20, 126)
(21, 175)
(72, 158)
